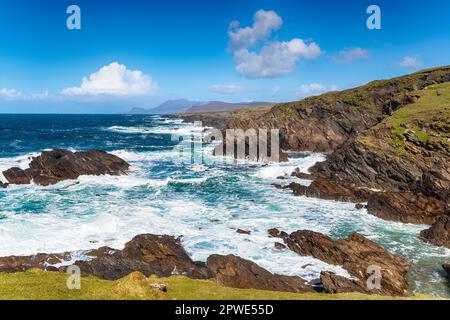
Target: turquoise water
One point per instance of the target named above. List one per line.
(205, 203)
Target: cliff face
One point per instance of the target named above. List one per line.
(322, 123)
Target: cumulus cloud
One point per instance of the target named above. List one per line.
(115, 80)
(264, 22)
(410, 62)
(276, 58)
(314, 88)
(348, 56)
(10, 94)
(226, 88)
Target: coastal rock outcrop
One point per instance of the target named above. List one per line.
(57, 165)
(447, 268)
(358, 255)
(333, 283)
(149, 254)
(439, 233)
(233, 271)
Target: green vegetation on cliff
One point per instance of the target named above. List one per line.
(38, 284)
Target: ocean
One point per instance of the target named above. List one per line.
(205, 203)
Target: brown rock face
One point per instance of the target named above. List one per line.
(57, 165)
(447, 268)
(39, 261)
(327, 190)
(149, 254)
(332, 283)
(355, 254)
(439, 233)
(236, 272)
(405, 207)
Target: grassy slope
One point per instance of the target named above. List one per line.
(428, 118)
(37, 284)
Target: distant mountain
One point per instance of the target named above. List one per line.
(223, 106)
(188, 106)
(168, 107)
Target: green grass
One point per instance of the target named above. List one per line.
(432, 108)
(42, 285)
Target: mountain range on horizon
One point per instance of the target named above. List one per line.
(188, 106)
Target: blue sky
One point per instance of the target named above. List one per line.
(151, 51)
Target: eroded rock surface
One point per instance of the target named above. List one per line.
(439, 233)
(57, 165)
(355, 254)
(236, 272)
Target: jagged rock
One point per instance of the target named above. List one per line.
(279, 246)
(447, 268)
(355, 254)
(332, 283)
(240, 231)
(359, 206)
(57, 165)
(323, 189)
(275, 233)
(405, 207)
(439, 233)
(40, 261)
(236, 272)
(3, 185)
(149, 254)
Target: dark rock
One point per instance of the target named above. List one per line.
(3, 185)
(57, 165)
(301, 175)
(240, 231)
(355, 254)
(332, 283)
(275, 233)
(359, 206)
(236, 272)
(279, 246)
(405, 207)
(447, 268)
(40, 261)
(149, 254)
(439, 233)
(324, 189)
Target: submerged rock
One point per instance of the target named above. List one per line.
(439, 233)
(57, 165)
(357, 255)
(236, 272)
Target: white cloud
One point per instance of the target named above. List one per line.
(314, 89)
(410, 62)
(115, 80)
(264, 22)
(10, 94)
(348, 56)
(226, 88)
(276, 58)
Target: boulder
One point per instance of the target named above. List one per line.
(332, 283)
(357, 255)
(57, 165)
(241, 231)
(42, 261)
(447, 268)
(439, 233)
(149, 254)
(232, 271)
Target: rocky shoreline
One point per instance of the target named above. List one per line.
(164, 256)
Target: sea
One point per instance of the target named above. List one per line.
(204, 202)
